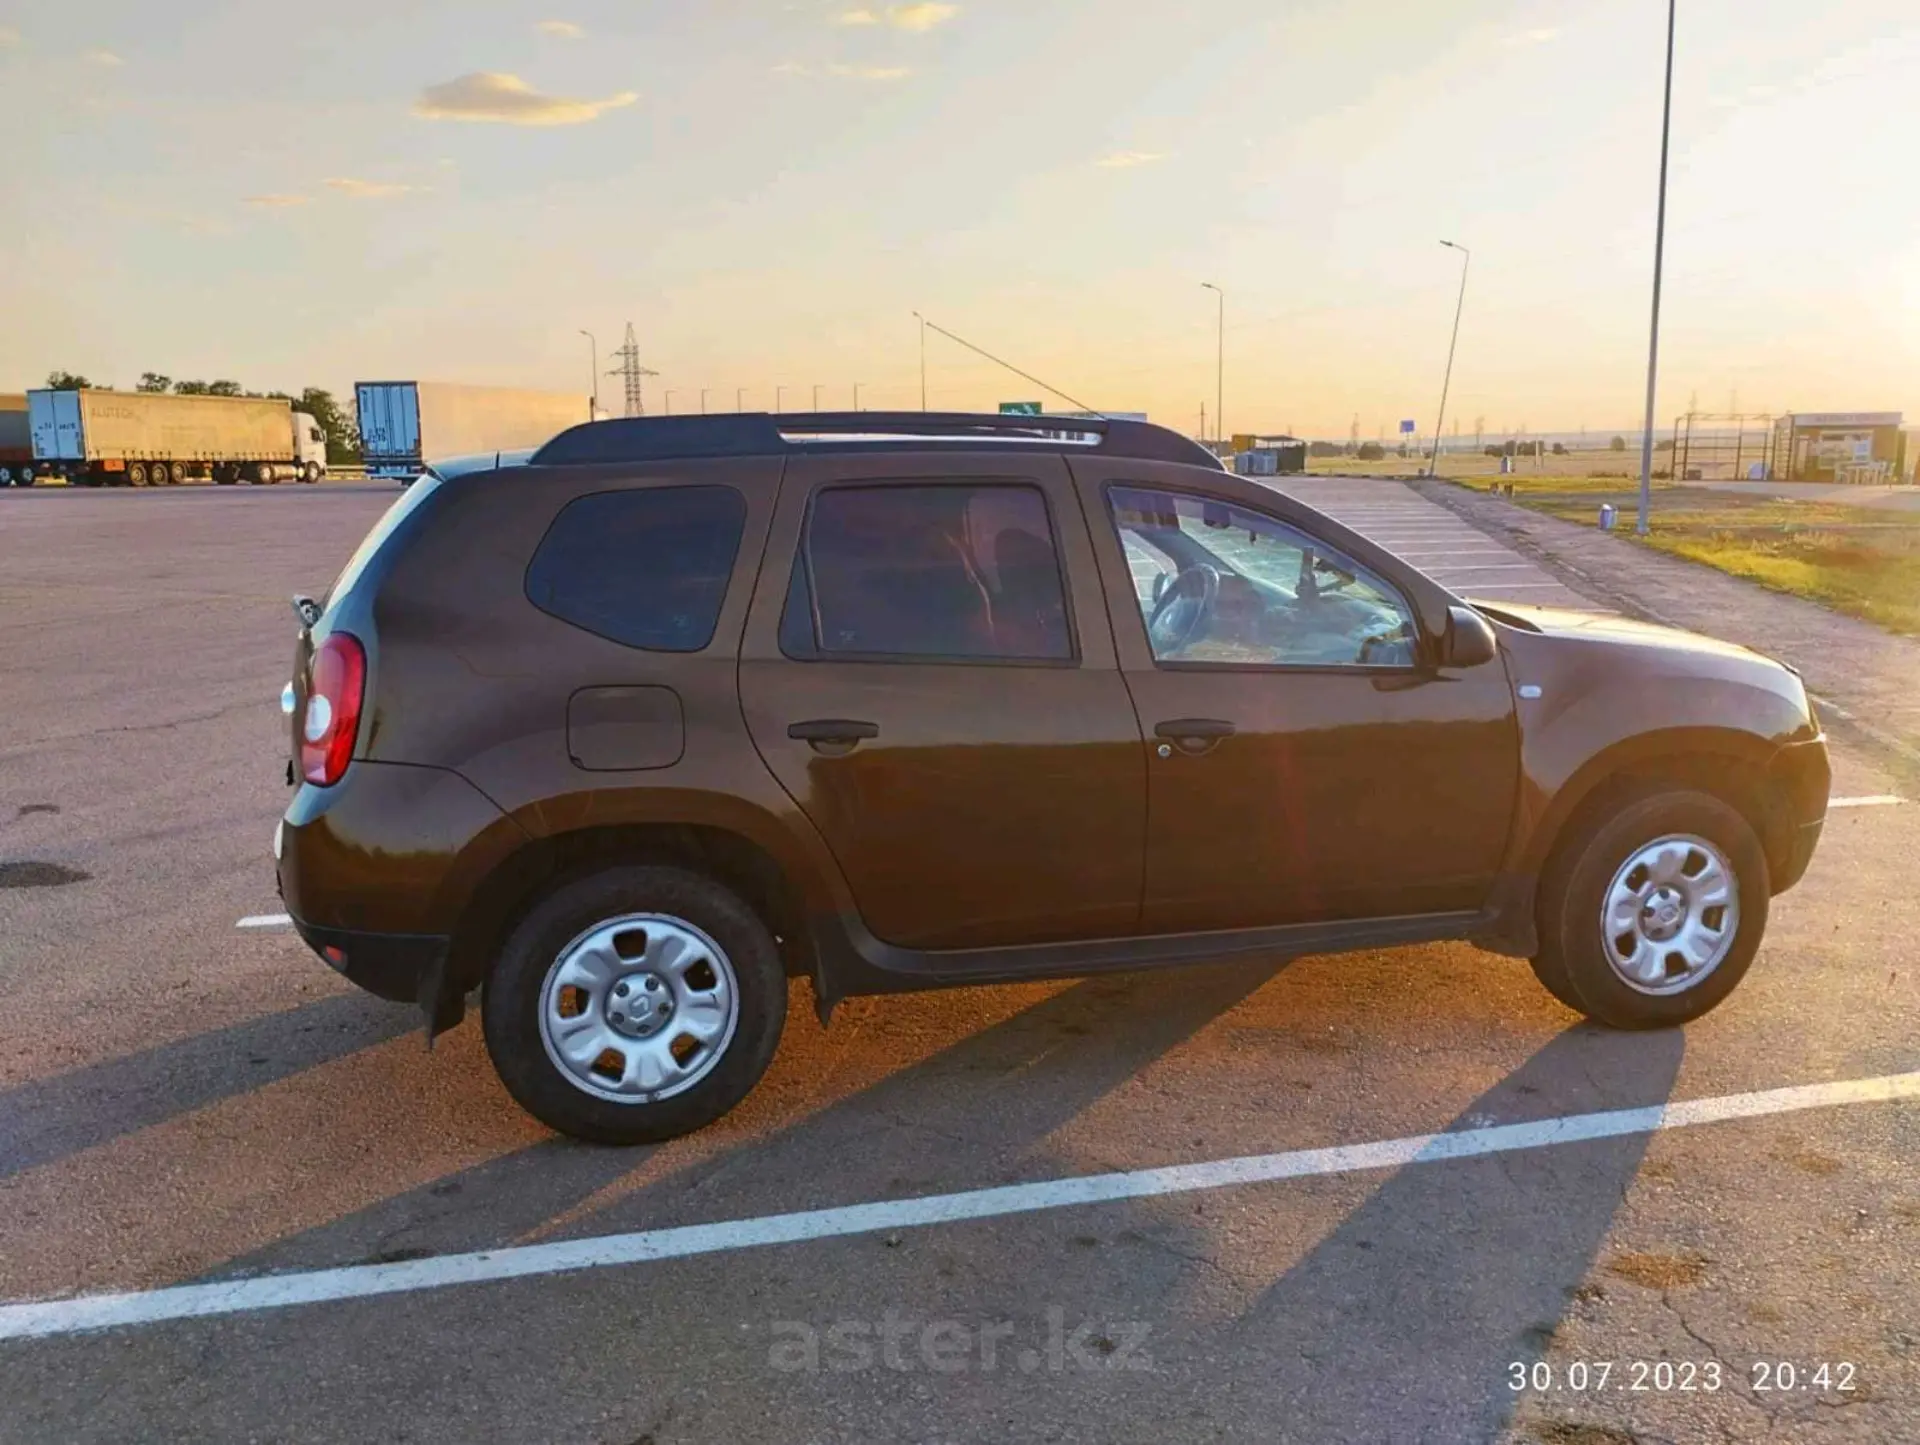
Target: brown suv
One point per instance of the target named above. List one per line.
(628, 732)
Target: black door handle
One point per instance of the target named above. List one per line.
(832, 730)
(1182, 729)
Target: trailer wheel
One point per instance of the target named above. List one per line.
(261, 474)
(137, 474)
(161, 474)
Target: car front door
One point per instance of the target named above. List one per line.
(1307, 759)
(929, 671)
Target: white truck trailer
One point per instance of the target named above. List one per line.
(137, 438)
(406, 424)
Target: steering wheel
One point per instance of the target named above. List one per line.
(1183, 609)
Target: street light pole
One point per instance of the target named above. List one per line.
(1466, 262)
(740, 398)
(703, 401)
(816, 396)
(856, 396)
(923, 359)
(1659, 262)
(779, 394)
(593, 402)
(669, 395)
(1220, 363)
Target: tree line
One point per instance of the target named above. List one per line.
(335, 421)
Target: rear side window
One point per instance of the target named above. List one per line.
(644, 568)
(953, 570)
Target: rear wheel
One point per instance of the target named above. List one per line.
(161, 474)
(137, 474)
(260, 473)
(635, 1005)
(1652, 910)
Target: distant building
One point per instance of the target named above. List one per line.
(1839, 446)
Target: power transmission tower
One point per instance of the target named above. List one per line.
(632, 372)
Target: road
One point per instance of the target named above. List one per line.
(185, 1101)
(1903, 498)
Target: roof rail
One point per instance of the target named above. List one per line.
(680, 438)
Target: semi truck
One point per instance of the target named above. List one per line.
(138, 439)
(16, 441)
(405, 424)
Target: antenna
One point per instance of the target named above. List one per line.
(632, 371)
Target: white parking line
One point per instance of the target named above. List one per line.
(265, 920)
(31, 1319)
(1876, 800)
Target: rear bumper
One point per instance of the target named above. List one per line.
(377, 873)
(403, 967)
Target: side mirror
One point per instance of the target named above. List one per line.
(1470, 639)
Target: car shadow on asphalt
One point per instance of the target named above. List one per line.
(974, 1113)
(47, 1120)
(1409, 1315)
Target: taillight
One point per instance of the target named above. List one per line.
(338, 682)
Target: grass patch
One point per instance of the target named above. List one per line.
(1860, 561)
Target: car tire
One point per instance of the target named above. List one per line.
(523, 1008)
(1652, 909)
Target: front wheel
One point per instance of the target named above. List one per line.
(1651, 912)
(635, 1005)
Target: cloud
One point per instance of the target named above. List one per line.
(923, 16)
(561, 30)
(103, 57)
(1532, 37)
(278, 201)
(492, 96)
(367, 190)
(856, 17)
(1123, 160)
(871, 72)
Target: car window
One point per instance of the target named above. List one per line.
(957, 570)
(1221, 583)
(645, 568)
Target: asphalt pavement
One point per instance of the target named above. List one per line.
(1348, 1198)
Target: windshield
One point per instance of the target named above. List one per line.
(403, 507)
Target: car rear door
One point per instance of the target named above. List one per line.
(928, 669)
(1307, 762)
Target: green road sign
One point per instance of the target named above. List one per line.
(1020, 408)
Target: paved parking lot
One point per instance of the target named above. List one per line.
(1020, 1215)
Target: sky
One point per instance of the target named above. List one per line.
(768, 191)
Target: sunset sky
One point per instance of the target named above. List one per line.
(307, 195)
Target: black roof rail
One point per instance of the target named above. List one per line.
(745, 434)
